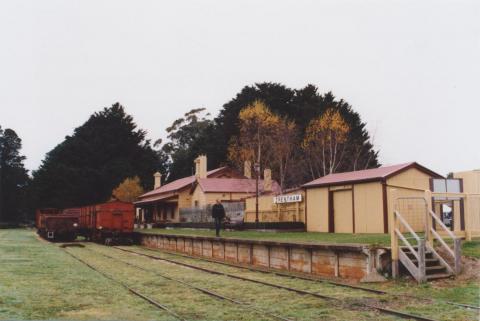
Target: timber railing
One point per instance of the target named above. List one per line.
(455, 253)
(399, 253)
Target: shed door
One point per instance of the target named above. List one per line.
(343, 211)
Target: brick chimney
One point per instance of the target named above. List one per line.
(157, 180)
(201, 166)
(267, 180)
(247, 169)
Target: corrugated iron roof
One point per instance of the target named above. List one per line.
(374, 174)
(234, 185)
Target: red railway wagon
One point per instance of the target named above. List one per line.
(53, 225)
(39, 215)
(110, 222)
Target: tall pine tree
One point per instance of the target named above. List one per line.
(13, 178)
(88, 165)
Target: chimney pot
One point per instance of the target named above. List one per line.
(247, 169)
(201, 166)
(267, 180)
(157, 180)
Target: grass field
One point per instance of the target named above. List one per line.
(471, 248)
(39, 280)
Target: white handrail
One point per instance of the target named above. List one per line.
(437, 236)
(410, 230)
(450, 233)
(410, 247)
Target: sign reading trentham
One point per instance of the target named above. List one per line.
(294, 198)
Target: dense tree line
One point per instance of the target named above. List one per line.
(13, 178)
(109, 149)
(88, 165)
(193, 135)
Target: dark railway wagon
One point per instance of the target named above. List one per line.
(108, 223)
(53, 225)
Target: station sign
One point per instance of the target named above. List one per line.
(294, 198)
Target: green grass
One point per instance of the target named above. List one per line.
(39, 281)
(471, 248)
(311, 237)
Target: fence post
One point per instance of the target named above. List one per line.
(468, 221)
(428, 219)
(422, 277)
(393, 236)
(457, 250)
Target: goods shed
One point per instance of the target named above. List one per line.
(360, 201)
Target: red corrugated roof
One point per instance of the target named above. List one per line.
(234, 185)
(177, 184)
(366, 175)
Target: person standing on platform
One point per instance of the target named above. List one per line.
(218, 214)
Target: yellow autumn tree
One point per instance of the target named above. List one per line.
(325, 142)
(128, 190)
(257, 126)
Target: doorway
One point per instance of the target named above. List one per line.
(341, 211)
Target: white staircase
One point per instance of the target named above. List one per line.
(426, 256)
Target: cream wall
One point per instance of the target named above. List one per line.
(317, 209)
(471, 185)
(411, 178)
(471, 181)
(368, 200)
(409, 184)
(199, 197)
(184, 200)
(210, 198)
(275, 212)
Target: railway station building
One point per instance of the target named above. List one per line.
(164, 202)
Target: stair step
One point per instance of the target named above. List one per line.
(438, 276)
(435, 268)
(426, 253)
(428, 262)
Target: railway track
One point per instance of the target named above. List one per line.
(127, 287)
(287, 288)
(320, 280)
(202, 290)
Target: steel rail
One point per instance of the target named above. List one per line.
(298, 291)
(131, 290)
(205, 291)
(316, 279)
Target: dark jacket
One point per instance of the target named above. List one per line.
(218, 211)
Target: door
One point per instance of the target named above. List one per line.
(117, 219)
(343, 211)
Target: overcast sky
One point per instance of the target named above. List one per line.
(410, 68)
